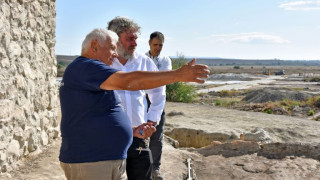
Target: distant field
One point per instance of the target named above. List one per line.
(235, 66)
(259, 69)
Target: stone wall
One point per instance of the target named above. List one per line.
(28, 90)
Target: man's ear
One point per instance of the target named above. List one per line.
(94, 46)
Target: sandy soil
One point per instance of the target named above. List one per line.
(210, 119)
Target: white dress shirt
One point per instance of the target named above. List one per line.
(162, 62)
(135, 102)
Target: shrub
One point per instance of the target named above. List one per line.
(311, 113)
(218, 103)
(180, 92)
(236, 67)
(225, 93)
(268, 111)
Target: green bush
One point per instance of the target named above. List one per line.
(268, 111)
(311, 113)
(180, 92)
(218, 103)
(236, 67)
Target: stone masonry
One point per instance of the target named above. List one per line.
(28, 91)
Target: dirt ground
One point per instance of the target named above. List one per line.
(214, 120)
(226, 124)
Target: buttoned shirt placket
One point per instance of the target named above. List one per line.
(127, 102)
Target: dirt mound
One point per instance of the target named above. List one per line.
(275, 94)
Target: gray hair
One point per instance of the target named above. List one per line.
(101, 35)
(123, 24)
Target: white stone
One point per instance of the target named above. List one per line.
(5, 8)
(35, 120)
(26, 70)
(6, 107)
(3, 145)
(44, 123)
(16, 34)
(5, 62)
(14, 50)
(6, 39)
(18, 135)
(29, 46)
(33, 142)
(3, 157)
(20, 82)
(53, 132)
(14, 148)
(44, 138)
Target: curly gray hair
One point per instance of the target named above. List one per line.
(123, 24)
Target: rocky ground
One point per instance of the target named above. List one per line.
(271, 146)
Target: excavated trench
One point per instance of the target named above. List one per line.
(197, 138)
(257, 145)
(229, 145)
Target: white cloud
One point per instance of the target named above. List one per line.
(300, 5)
(249, 38)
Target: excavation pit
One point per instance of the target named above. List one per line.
(229, 145)
(198, 138)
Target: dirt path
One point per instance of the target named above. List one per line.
(214, 120)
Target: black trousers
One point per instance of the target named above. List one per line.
(156, 143)
(139, 165)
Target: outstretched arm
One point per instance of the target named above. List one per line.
(138, 80)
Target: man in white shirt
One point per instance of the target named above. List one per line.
(163, 63)
(139, 165)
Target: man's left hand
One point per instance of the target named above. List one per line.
(147, 131)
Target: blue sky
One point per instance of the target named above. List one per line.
(247, 29)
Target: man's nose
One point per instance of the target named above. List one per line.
(134, 43)
(114, 54)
